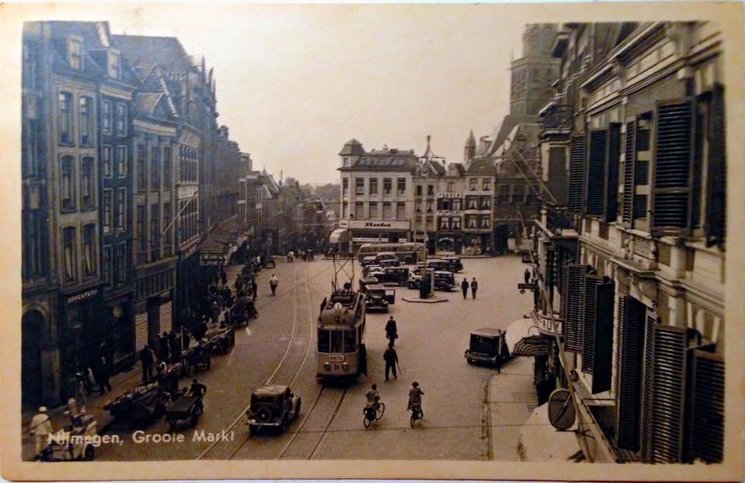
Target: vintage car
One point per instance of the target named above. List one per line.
(368, 261)
(397, 275)
(439, 264)
(389, 263)
(371, 268)
(274, 406)
(444, 280)
(365, 281)
(269, 262)
(487, 346)
(379, 297)
(455, 263)
(385, 256)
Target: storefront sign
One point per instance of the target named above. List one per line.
(206, 260)
(450, 195)
(82, 296)
(376, 224)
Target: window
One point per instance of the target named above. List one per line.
(121, 119)
(155, 167)
(106, 116)
(86, 121)
(154, 232)
(486, 184)
(472, 184)
(455, 223)
(444, 223)
(401, 186)
(107, 261)
(89, 260)
(457, 204)
(167, 236)
(64, 117)
(401, 210)
(602, 172)
(359, 184)
(107, 210)
(141, 167)
(451, 187)
(430, 190)
(373, 186)
(140, 235)
(344, 209)
(359, 210)
(106, 161)
(75, 53)
(485, 222)
(471, 221)
(119, 214)
(121, 263)
(114, 65)
(387, 186)
(344, 186)
(429, 206)
(485, 202)
(387, 210)
(373, 210)
(121, 161)
(472, 203)
(68, 187)
(576, 174)
(68, 249)
(419, 190)
(86, 183)
(167, 167)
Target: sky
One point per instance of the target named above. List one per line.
(295, 82)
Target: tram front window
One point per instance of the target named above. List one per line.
(337, 337)
(324, 337)
(349, 343)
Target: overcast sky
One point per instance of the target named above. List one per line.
(294, 83)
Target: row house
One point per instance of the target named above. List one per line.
(630, 271)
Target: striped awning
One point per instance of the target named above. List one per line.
(524, 339)
(340, 235)
(532, 346)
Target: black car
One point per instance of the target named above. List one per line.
(378, 297)
(444, 280)
(273, 406)
(455, 264)
(397, 275)
(487, 346)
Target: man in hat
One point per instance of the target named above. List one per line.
(41, 428)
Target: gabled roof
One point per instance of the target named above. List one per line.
(481, 166)
(352, 147)
(148, 51)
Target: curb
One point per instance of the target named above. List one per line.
(431, 300)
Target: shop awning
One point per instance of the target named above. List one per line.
(340, 235)
(220, 243)
(524, 339)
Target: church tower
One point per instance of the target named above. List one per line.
(469, 149)
(534, 73)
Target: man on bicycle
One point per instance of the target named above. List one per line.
(415, 396)
(273, 282)
(372, 398)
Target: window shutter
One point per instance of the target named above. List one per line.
(706, 411)
(550, 265)
(671, 201)
(629, 357)
(628, 172)
(574, 307)
(596, 182)
(716, 203)
(668, 395)
(647, 383)
(597, 338)
(576, 173)
(611, 169)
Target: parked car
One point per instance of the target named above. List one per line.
(487, 346)
(389, 263)
(368, 261)
(456, 265)
(444, 280)
(415, 276)
(440, 265)
(371, 268)
(385, 256)
(379, 297)
(397, 275)
(365, 281)
(269, 262)
(273, 406)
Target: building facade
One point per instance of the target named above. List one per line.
(630, 271)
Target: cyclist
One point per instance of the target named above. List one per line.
(372, 398)
(415, 397)
(273, 282)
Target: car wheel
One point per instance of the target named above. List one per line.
(264, 414)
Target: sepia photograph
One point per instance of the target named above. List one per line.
(380, 241)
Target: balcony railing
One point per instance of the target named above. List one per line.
(558, 116)
(558, 218)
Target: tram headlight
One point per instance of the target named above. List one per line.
(327, 366)
(345, 366)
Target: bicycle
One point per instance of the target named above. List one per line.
(416, 414)
(373, 413)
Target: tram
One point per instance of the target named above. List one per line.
(341, 331)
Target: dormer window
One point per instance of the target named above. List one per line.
(75, 53)
(115, 65)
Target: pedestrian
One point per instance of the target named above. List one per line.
(175, 346)
(80, 389)
(41, 428)
(526, 275)
(391, 360)
(197, 389)
(163, 350)
(254, 287)
(185, 338)
(474, 287)
(214, 312)
(103, 376)
(223, 277)
(147, 359)
(391, 331)
(464, 288)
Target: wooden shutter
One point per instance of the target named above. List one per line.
(671, 201)
(628, 172)
(597, 338)
(629, 358)
(716, 191)
(611, 169)
(550, 265)
(596, 182)
(576, 173)
(664, 395)
(706, 407)
(645, 425)
(574, 291)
